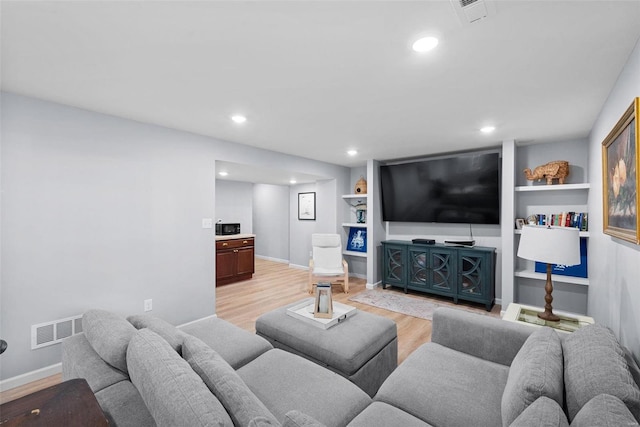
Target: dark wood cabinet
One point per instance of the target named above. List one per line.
(234, 260)
(458, 272)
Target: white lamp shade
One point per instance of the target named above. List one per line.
(553, 245)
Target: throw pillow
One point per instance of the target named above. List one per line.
(544, 412)
(226, 384)
(594, 363)
(166, 330)
(604, 410)
(109, 335)
(536, 371)
(173, 393)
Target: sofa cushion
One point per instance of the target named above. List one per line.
(224, 382)
(445, 387)
(166, 330)
(380, 414)
(237, 346)
(174, 394)
(594, 363)
(284, 382)
(535, 371)
(80, 360)
(123, 406)
(109, 335)
(604, 410)
(295, 418)
(544, 412)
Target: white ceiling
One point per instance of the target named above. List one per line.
(315, 78)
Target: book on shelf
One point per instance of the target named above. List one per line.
(577, 220)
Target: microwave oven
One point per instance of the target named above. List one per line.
(229, 228)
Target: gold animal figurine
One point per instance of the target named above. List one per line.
(558, 169)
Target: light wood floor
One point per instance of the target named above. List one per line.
(276, 284)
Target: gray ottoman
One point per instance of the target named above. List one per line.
(363, 348)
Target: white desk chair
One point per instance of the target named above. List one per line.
(327, 264)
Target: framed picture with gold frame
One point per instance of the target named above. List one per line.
(620, 177)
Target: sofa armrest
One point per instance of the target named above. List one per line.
(486, 337)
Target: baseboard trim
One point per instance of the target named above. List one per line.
(29, 377)
(283, 261)
(299, 267)
(374, 285)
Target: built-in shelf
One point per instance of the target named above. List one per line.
(353, 253)
(354, 196)
(354, 224)
(557, 187)
(530, 274)
(582, 233)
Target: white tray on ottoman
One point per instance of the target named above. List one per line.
(304, 312)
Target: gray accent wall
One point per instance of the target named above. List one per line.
(326, 221)
(99, 212)
(614, 267)
(234, 201)
(271, 221)
(103, 212)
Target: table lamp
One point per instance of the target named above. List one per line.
(552, 245)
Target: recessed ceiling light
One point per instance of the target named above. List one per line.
(223, 173)
(487, 129)
(238, 118)
(352, 152)
(293, 181)
(425, 44)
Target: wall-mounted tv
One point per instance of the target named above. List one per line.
(462, 189)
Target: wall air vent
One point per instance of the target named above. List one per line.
(470, 11)
(48, 333)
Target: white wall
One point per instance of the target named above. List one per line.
(271, 221)
(614, 265)
(234, 201)
(102, 212)
(326, 221)
(99, 212)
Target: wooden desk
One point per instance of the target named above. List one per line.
(69, 404)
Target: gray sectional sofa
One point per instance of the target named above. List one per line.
(477, 371)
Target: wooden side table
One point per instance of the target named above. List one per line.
(528, 315)
(70, 403)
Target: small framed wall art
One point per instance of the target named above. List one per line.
(307, 206)
(357, 239)
(620, 177)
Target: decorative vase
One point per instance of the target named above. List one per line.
(361, 216)
(361, 186)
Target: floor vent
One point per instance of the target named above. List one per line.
(48, 333)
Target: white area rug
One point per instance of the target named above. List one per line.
(393, 301)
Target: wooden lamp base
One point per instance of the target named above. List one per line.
(548, 309)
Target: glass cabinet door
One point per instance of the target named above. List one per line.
(443, 267)
(394, 266)
(473, 278)
(418, 268)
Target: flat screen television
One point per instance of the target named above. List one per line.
(462, 189)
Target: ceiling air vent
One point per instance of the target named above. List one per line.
(465, 3)
(470, 11)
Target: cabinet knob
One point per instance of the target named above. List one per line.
(235, 250)
(244, 242)
(225, 244)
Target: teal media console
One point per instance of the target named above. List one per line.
(462, 273)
